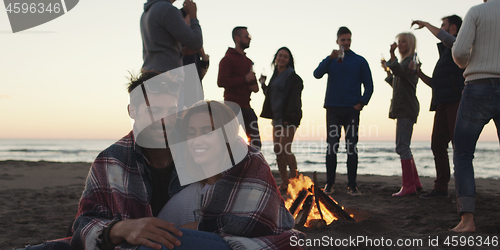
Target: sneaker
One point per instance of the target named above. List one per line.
(435, 194)
(353, 191)
(328, 188)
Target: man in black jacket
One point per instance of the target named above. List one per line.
(447, 83)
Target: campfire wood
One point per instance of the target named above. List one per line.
(300, 198)
(331, 206)
(301, 218)
(316, 189)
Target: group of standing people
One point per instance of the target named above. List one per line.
(133, 191)
(463, 106)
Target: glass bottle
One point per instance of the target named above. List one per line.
(340, 57)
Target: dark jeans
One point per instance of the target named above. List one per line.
(194, 239)
(251, 127)
(480, 103)
(442, 134)
(336, 118)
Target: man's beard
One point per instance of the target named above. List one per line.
(244, 45)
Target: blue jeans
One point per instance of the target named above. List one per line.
(194, 239)
(336, 118)
(404, 132)
(480, 103)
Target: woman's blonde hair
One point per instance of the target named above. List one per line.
(412, 44)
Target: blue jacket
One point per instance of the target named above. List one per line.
(345, 79)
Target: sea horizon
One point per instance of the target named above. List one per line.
(375, 157)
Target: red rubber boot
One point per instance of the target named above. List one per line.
(408, 179)
(418, 185)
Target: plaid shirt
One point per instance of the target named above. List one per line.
(246, 208)
(118, 187)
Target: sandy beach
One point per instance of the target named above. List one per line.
(38, 201)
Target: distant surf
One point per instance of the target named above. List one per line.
(378, 158)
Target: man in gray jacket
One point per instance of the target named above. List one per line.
(163, 30)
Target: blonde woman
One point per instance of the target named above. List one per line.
(404, 108)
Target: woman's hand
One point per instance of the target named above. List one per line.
(384, 66)
(393, 48)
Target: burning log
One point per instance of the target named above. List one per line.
(300, 198)
(316, 223)
(315, 189)
(331, 206)
(301, 218)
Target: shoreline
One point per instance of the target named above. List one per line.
(39, 200)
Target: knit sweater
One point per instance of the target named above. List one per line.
(477, 46)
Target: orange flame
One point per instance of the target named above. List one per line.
(294, 188)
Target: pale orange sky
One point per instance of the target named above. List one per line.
(66, 78)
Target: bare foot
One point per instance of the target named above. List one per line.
(466, 224)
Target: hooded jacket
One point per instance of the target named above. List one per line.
(163, 30)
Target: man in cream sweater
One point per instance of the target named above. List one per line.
(477, 50)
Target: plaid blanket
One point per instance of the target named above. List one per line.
(246, 208)
(118, 187)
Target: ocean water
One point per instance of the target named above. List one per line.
(377, 158)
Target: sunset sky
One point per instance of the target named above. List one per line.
(67, 78)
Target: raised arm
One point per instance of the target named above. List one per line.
(433, 29)
(322, 68)
(442, 35)
(188, 36)
(461, 50)
(447, 38)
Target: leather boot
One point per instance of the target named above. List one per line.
(418, 185)
(408, 179)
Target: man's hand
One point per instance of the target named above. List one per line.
(190, 8)
(334, 54)
(250, 77)
(420, 24)
(144, 231)
(358, 107)
(254, 88)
